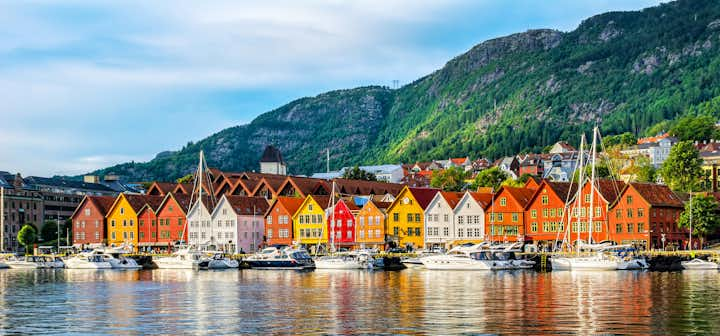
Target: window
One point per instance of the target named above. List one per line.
(269, 219)
(500, 217)
(409, 217)
(446, 231)
(618, 228)
(503, 201)
(87, 211)
(598, 226)
(97, 223)
(553, 226)
(461, 220)
(436, 231)
(124, 222)
(533, 213)
(141, 235)
(125, 235)
(544, 199)
(396, 217)
(396, 230)
(132, 222)
(152, 223)
(597, 211)
(302, 232)
(552, 212)
(362, 221)
(587, 198)
(417, 217)
(153, 234)
(362, 235)
(141, 222)
(618, 213)
(629, 213)
(113, 235)
(574, 227)
(122, 210)
(348, 235)
(410, 232)
(641, 212)
(460, 233)
(446, 218)
(377, 220)
(269, 233)
(469, 232)
(310, 207)
(97, 235)
(629, 200)
(545, 212)
(629, 227)
(302, 219)
(533, 227)
(546, 227)
(349, 223)
(641, 227)
(429, 231)
(514, 217)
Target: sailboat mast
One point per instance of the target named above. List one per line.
(591, 215)
(691, 211)
(332, 218)
(578, 197)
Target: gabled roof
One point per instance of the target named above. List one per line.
(322, 200)
(609, 189)
(560, 189)
(655, 194)
(381, 205)
(291, 204)
(452, 198)
(247, 206)
(152, 203)
(458, 161)
(182, 200)
(303, 185)
(483, 199)
(349, 204)
(423, 195)
(359, 187)
(102, 203)
(519, 194)
(161, 188)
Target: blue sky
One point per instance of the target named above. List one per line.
(87, 84)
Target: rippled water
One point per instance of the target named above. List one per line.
(356, 302)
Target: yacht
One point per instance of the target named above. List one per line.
(475, 257)
(598, 261)
(218, 261)
(182, 259)
(351, 260)
(286, 258)
(117, 261)
(27, 262)
(627, 257)
(87, 261)
(699, 264)
(54, 262)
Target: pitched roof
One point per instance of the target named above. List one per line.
(458, 161)
(484, 199)
(102, 203)
(562, 189)
(452, 198)
(303, 185)
(136, 201)
(350, 204)
(367, 187)
(322, 200)
(423, 195)
(271, 154)
(520, 194)
(182, 200)
(153, 202)
(609, 189)
(291, 204)
(247, 206)
(657, 194)
(161, 188)
(382, 205)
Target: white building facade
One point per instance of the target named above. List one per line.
(469, 217)
(223, 230)
(439, 220)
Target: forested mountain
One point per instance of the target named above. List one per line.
(627, 71)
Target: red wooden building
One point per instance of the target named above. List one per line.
(147, 221)
(171, 219)
(505, 217)
(604, 194)
(644, 214)
(344, 213)
(88, 220)
(278, 220)
(545, 218)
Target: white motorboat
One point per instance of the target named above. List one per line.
(87, 261)
(456, 261)
(351, 260)
(627, 257)
(412, 262)
(54, 262)
(27, 262)
(594, 262)
(182, 259)
(117, 261)
(699, 264)
(218, 261)
(286, 258)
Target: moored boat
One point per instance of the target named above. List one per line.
(699, 264)
(27, 262)
(218, 261)
(184, 258)
(87, 261)
(286, 258)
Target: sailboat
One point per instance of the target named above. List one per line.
(697, 263)
(595, 259)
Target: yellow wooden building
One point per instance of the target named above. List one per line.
(310, 221)
(122, 220)
(406, 217)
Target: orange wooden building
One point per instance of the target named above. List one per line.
(545, 212)
(505, 217)
(279, 220)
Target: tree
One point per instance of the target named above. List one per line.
(682, 169)
(186, 179)
(511, 182)
(705, 219)
(355, 173)
(27, 236)
(491, 177)
(49, 231)
(601, 171)
(693, 128)
(451, 179)
(620, 140)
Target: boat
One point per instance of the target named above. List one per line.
(699, 264)
(592, 262)
(628, 259)
(116, 260)
(218, 261)
(470, 258)
(27, 262)
(351, 260)
(286, 258)
(184, 258)
(412, 262)
(54, 262)
(87, 261)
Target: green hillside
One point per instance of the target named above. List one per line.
(626, 71)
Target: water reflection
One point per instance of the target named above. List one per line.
(352, 302)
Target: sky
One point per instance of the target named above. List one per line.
(88, 84)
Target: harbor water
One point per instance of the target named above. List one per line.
(411, 301)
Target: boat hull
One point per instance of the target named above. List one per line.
(278, 265)
(583, 264)
(456, 264)
(697, 264)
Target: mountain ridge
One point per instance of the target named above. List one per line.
(626, 71)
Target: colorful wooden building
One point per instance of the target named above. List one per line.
(310, 222)
(406, 217)
(88, 220)
(171, 220)
(644, 214)
(370, 228)
(279, 220)
(604, 193)
(122, 220)
(237, 224)
(505, 217)
(439, 220)
(545, 213)
(469, 218)
(147, 222)
(341, 223)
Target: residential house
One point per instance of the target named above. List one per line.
(509, 165)
(122, 220)
(279, 220)
(147, 221)
(506, 218)
(646, 214)
(199, 218)
(237, 224)
(272, 162)
(469, 218)
(88, 220)
(172, 225)
(656, 149)
(603, 194)
(405, 222)
(415, 180)
(531, 164)
(439, 218)
(370, 228)
(309, 222)
(341, 223)
(546, 213)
